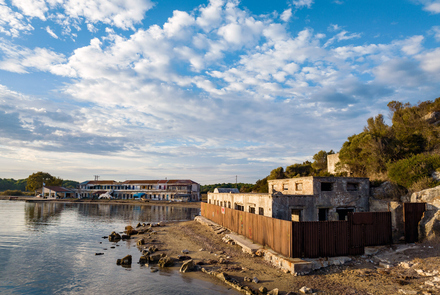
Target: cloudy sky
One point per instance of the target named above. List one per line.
(206, 90)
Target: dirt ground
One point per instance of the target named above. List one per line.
(413, 269)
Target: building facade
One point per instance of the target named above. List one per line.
(302, 199)
(170, 190)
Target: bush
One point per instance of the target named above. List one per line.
(14, 193)
(424, 183)
(409, 171)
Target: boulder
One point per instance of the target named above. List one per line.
(166, 261)
(187, 266)
(429, 226)
(306, 290)
(129, 230)
(124, 261)
(255, 280)
(155, 258)
(223, 276)
(144, 259)
(140, 242)
(114, 237)
(185, 251)
(262, 289)
(431, 196)
(274, 292)
(152, 249)
(389, 191)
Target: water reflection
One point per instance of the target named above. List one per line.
(41, 214)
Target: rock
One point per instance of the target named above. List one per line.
(223, 261)
(429, 226)
(140, 242)
(411, 292)
(165, 261)
(386, 190)
(184, 257)
(105, 237)
(187, 266)
(125, 237)
(223, 276)
(201, 249)
(255, 280)
(431, 195)
(306, 290)
(114, 237)
(144, 259)
(129, 230)
(138, 225)
(155, 258)
(185, 251)
(154, 269)
(385, 265)
(273, 292)
(246, 279)
(263, 289)
(405, 264)
(124, 261)
(260, 253)
(99, 253)
(152, 249)
(211, 261)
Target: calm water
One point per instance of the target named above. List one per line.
(49, 248)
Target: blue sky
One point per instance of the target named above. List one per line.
(205, 90)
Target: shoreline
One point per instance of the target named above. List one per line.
(410, 268)
(108, 202)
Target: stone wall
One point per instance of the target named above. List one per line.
(292, 186)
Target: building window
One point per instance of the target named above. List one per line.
(252, 210)
(239, 207)
(229, 205)
(326, 186)
(343, 213)
(352, 187)
(296, 215)
(323, 214)
(299, 186)
(260, 211)
(285, 187)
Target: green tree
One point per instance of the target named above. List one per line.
(299, 170)
(409, 171)
(35, 181)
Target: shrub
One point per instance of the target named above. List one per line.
(409, 171)
(423, 183)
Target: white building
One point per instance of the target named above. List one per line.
(173, 189)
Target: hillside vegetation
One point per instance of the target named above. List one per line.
(407, 152)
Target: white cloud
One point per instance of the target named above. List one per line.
(50, 32)
(19, 60)
(432, 6)
(11, 22)
(436, 32)
(302, 3)
(33, 8)
(176, 24)
(286, 15)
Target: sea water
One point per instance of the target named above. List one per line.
(49, 248)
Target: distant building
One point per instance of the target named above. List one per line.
(56, 192)
(170, 190)
(332, 161)
(226, 190)
(302, 199)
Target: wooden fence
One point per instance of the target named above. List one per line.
(310, 238)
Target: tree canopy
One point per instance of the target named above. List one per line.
(35, 181)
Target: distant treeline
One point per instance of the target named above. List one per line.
(20, 184)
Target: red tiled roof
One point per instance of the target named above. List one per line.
(58, 189)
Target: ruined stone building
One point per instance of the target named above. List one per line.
(302, 199)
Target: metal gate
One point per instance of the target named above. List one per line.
(412, 214)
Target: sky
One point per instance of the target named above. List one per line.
(202, 90)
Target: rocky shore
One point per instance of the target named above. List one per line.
(198, 250)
